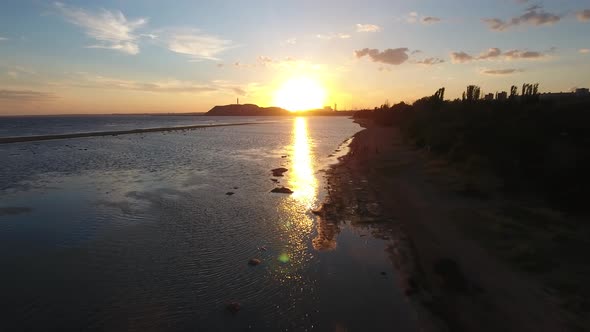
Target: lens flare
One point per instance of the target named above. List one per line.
(284, 258)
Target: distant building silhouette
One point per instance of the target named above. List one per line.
(577, 93)
(502, 95)
(489, 96)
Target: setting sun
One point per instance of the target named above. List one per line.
(300, 94)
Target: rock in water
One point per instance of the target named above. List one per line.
(254, 262)
(233, 307)
(278, 171)
(282, 190)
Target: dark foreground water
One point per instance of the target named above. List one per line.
(136, 232)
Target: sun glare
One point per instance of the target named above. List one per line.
(300, 94)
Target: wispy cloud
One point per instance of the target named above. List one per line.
(497, 54)
(390, 56)
(196, 44)
(290, 41)
(501, 71)
(287, 64)
(583, 15)
(333, 36)
(585, 50)
(430, 20)
(518, 54)
(86, 80)
(19, 71)
(3, 38)
(460, 57)
(25, 95)
(534, 15)
(111, 29)
(414, 17)
(430, 61)
(491, 53)
(367, 28)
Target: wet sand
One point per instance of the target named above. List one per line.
(453, 281)
(17, 139)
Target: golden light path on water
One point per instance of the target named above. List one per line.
(302, 180)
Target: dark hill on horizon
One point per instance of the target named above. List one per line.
(246, 109)
(255, 110)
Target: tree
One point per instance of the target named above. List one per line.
(513, 92)
(439, 95)
(472, 93)
(530, 92)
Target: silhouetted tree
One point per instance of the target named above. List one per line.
(472, 93)
(530, 93)
(439, 95)
(513, 92)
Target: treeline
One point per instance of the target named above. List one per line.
(530, 144)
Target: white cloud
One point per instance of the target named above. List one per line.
(110, 28)
(367, 28)
(534, 15)
(333, 36)
(291, 41)
(585, 50)
(389, 56)
(196, 44)
(412, 17)
(3, 38)
(583, 15)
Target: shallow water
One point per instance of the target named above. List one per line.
(136, 232)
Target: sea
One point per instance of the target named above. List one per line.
(154, 231)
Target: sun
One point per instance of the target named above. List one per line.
(300, 94)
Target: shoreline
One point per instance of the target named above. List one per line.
(453, 281)
(20, 139)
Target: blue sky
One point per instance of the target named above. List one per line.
(185, 56)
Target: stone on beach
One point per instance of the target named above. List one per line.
(282, 190)
(254, 262)
(278, 171)
(229, 193)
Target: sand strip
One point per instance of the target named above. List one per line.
(5, 140)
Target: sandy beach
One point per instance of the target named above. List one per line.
(412, 199)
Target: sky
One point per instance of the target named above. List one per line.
(132, 56)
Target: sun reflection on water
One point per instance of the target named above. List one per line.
(302, 179)
(298, 223)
